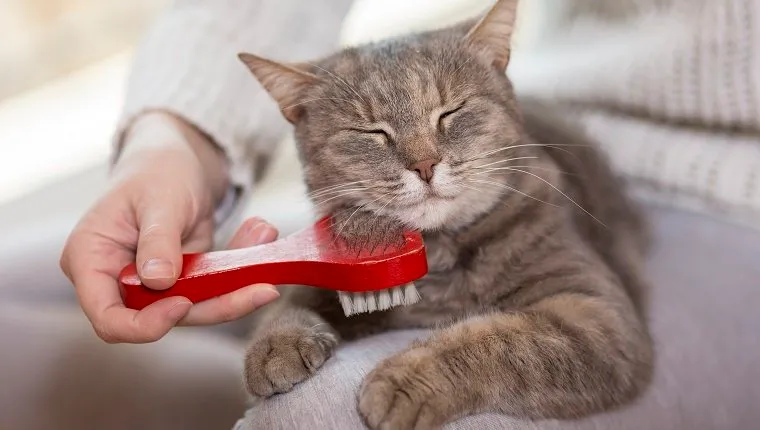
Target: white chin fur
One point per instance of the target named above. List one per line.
(458, 206)
(431, 214)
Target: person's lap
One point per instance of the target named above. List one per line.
(56, 374)
(704, 321)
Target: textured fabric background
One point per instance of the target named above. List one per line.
(669, 88)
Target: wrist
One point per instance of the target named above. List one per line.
(159, 131)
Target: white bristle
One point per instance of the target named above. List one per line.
(383, 300)
(356, 303)
(397, 296)
(411, 296)
(371, 301)
(346, 302)
(364, 303)
(360, 303)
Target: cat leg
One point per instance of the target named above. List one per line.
(286, 349)
(565, 356)
(294, 337)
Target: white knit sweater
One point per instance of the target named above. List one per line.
(670, 88)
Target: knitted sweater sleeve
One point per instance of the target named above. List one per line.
(187, 64)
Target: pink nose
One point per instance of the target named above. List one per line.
(424, 168)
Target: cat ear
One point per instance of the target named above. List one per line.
(285, 83)
(494, 32)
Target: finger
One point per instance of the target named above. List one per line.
(118, 324)
(159, 245)
(92, 265)
(254, 231)
(232, 306)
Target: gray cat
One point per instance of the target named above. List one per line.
(534, 249)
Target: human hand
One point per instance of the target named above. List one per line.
(165, 186)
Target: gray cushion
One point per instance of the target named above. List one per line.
(705, 322)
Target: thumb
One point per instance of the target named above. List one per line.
(159, 246)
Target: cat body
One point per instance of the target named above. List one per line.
(534, 290)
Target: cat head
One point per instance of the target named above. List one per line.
(407, 127)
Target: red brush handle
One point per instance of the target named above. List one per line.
(310, 257)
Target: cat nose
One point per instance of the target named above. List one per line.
(424, 168)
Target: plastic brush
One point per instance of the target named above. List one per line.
(365, 281)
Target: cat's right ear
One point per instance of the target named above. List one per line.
(494, 32)
(284, 83)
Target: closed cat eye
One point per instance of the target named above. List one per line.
(375, 131)
(382, 133)
(448, 113)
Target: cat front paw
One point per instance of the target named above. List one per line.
(407, 391)
(285, 356)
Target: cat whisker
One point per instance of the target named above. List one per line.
(460, 166)
(504, 161)
(339, 191)
(313, 208)
(511, 188)
(485, 154)
(575, 156)
(470, 188)
(387, 203)
(503, 168)
(335, 188)
(320, 191)
(320, 203)
(339, 185)
(523, 145)
(563, 194)
(548, 145)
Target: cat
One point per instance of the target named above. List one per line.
(535, 292)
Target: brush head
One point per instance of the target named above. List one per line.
(356, 303)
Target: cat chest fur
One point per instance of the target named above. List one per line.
(451, 288)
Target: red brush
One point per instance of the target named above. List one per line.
(365, 281)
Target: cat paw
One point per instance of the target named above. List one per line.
(285, 356)
(407, 391)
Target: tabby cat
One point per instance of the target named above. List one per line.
(534, 290)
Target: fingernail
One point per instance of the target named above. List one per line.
(157, 268)
(254, 223)
(261, 232)
(179, 310)
(266, 293)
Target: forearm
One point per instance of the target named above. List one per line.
(158, 132)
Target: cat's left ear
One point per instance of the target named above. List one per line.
(285, 83)
(493, 33)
